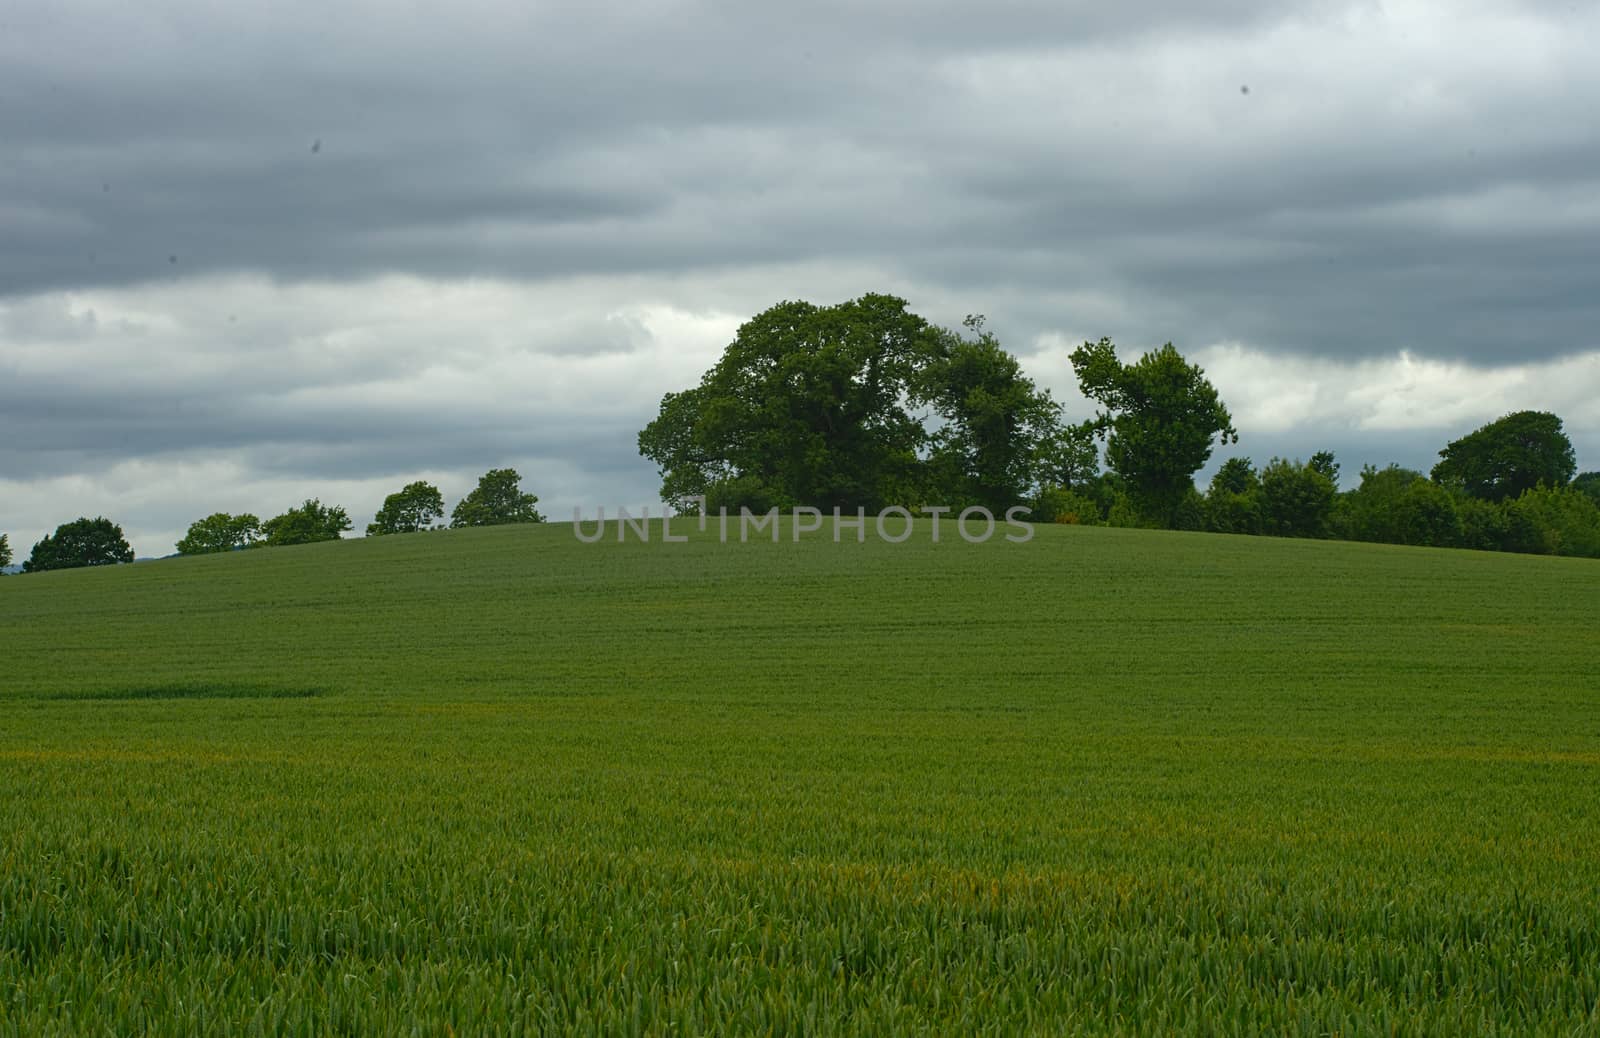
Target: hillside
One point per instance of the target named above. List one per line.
(1068, 784)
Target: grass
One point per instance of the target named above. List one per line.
(1105, 781)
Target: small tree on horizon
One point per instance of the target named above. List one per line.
(1508, 456)
(220, 532)
(1159, 418)
(5, 551)
(497, 501)
(82, 542)
(414, 507)
(307, 524)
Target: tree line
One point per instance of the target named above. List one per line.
(864, 404)
(498, 499)
(867, 404)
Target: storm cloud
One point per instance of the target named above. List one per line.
(253, 255)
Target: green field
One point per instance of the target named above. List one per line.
(1105, 781)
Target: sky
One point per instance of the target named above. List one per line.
(251, 254)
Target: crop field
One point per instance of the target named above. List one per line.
(1106, 781)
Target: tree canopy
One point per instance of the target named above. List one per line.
(82, 542)
(1588, 483)
(1000, 432)
(1296, 499)
(1159, 419)
(5, 551)
(220, 532)
(818, 406)
(808, 405)
(311, 522)
(411, 508)
(497, 501)
(1508, 456)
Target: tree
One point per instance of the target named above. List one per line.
(1325, 463)
(414, 507)
(498, 500)
(1159, 418)
(1395, 505)
(5, 551)
(220, 532)
(1233, 502)
(1567, 521)
(311, 522)
(82, 542)
(1508, 456)
(1296, 499)
(808, 405)
(1000, 431)
(1588, 483)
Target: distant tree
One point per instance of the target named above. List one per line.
(1296, 499)
(414, 507)
(1233, 501)
(999, 429)
(1588, 483)
(82, 542)
(1567, 521)
(5, 551)
(1371, 512)
(1058, 504)
(1069, 456)
(1160, 416)
(812, 405)
(1325, 463)
(311, 522)
(1395, 505)
(498, 500)
(220, 532)
(1508, 456)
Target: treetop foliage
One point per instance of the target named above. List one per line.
(823, 406)
(416, 506)
(82, 542)
(1160, 417)
(497, 501)
(307, 524)
(1508, 456)
(220, 532)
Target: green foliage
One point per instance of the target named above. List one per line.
(498, 500)
(1233, 501)
(1508, 456)
(5, 551)
(814, 406)
(82, 542)
(1325, 463)
(1160, 416)
(416, 506)
(311, 522)
(998, 426)
(1397, 505)
(1567, 520)
(1069, 456)
(1296, 500)
(1105, 782)
(1371, 511)
(220, 532)
(1063, 505)
(1588, 483)
(808, 403)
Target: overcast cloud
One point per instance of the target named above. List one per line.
(249, 256)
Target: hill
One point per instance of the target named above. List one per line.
(1104, 780)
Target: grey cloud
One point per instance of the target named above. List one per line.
(1415, 178)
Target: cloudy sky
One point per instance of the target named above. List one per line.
(251, 254)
